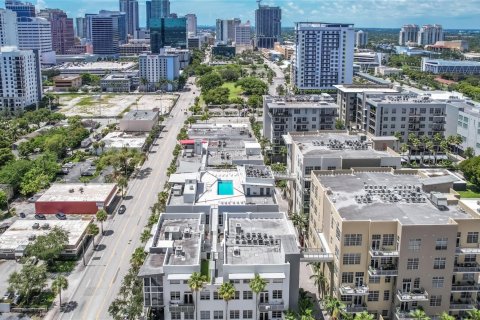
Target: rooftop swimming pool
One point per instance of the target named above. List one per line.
(225, 188)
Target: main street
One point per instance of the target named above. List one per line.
(279, 78)
(94, 287)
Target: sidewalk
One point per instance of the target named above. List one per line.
(307, 284)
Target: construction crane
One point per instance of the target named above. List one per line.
(259, 2)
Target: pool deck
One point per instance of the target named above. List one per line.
(225, 187)
(209, 194)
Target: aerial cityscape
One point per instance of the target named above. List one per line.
(267, 160)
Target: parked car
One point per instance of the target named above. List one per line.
(61, 216)
(39, 216)
(7, 295)
(122, 209)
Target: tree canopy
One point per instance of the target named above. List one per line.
(49, 246)
(252, 86)
(30, 279)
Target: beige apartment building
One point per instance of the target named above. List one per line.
(398, 240)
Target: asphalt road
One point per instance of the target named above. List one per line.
(279, 78)
(94, 287)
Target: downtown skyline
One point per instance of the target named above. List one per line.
(363, 13)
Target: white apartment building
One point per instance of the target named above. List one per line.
(225, 30)
(34, 33)
(323, 56)
(20, 79)
(385, 114)
(157, 67)
(191, 24)
(430, 34)
(408, 33)
(347, 100)
(8, 28)
(283, 114)
(243, 34)
(331, 150)
(361, 38)
(463, 118)
(399, 240)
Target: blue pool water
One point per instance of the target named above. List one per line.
(225, 187)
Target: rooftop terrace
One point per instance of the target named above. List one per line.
(385, 196)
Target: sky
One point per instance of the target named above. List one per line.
(452, 14)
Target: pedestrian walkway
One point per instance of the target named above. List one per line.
(307, 284)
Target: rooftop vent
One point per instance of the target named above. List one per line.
(238, 228)
(236, 251)
(179, 251)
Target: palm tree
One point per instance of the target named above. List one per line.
(93, 230)
(446, 316)
(205, 116)
(334, 307)
(307, 315)
(320, 281)
(257, 284)
(431, 148)
(404, 149)
(418, 314)
(473, 314)
(101, 216)
(364, 315)
(196, 283)
(458, 141)
(227, 293)
(300, 221)
(58, 284)
(138, 257)
(122, 182)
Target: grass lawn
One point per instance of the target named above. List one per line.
(471, 192)
(234, 91)
(204, 268)
(85, 101)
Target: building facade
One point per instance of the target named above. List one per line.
(36, 34)
(268, 26)
(243, 34)
(191, 24)
(361, 39)
(22, 9)
(155, 68)
(107, 30)
(8, 28)
(225, 30)
(130, 7)
(81, 27)
(439, 66)
(323, 55)
(408, 33)
(160, 9)
(285, 114)
(168, 32)
(398, 241)
(20, 79)
(63, 38)
(430, 34)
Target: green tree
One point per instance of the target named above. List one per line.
(101, 216)
(196, 282)
(364, 315)
(321, 281)
(469, 153)
(339, 124)
(30, 279)
(205, 116)
(300, 221)
(446, 316)
(216, 96)
(6, 155)
(122, 182)
(227, 292)
(48, 247)
(304, 302)
(418, 314)
(473, 314)
(93, 230)
(252, 86)
(3, 200)
(210, 81)
(257, 285)
(307, 315)
(334, 307)
(255, 101)
(58, 284)
(138, 257)
(280, 90)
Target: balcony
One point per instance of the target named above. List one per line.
(355, 308)
(403, 314)
(181, 306)
(468, 250)
(271, 306)
(465, 286)
(385, 270)
(465, 304)
(383, 252)
(466, 267)
(350, 290)
(414, 295)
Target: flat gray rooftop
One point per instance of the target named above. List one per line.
(140, 115)
(346, 187)
(174, 229)
(277, 238)
(319, 145)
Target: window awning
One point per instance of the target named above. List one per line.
(179, 276)
(279, 275)
(240, 276)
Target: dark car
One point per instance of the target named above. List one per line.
(61, 216)
(22, 214)
(40, 217)
(122, 209)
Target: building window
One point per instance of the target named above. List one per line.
(353, 240)
(175, 295)
(388, 239)
(472, 237)
(247, 295)
(435, 301)
(276, 315)
(412, 264)
(188, 316)
(205, 295)
(373, 295)
(374, 280)
(437, 282)
(234, 314)
(351, 258)
(414, 244)
(388, 279)
(176, 315)
(216, 296)
(439, 263)
(217, 314)
(247, 314)
(470, 258)
(386, 295)
(277, 294)
(205, 315)
(441, 243)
